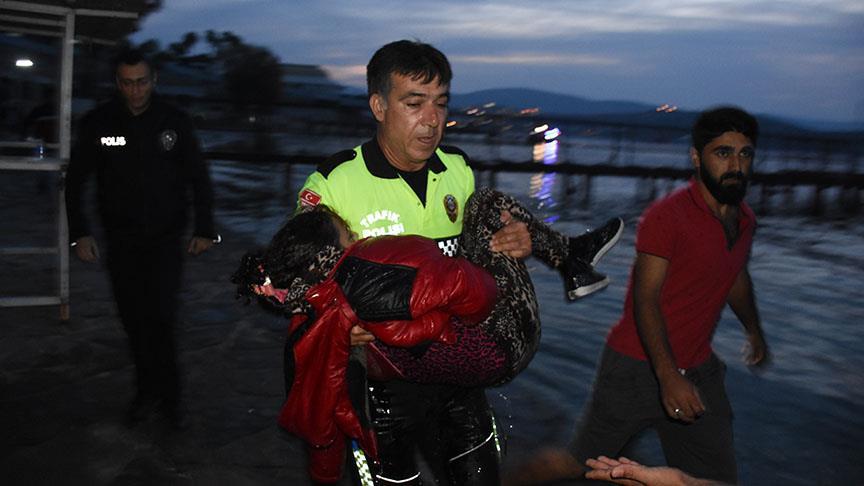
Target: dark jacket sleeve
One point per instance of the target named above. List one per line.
(198, 178)
(82, 163)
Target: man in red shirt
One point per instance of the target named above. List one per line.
(658, 369)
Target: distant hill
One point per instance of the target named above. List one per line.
(548, 103)
(556, 105)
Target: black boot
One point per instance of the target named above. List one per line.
(592, 245)
(580, 279)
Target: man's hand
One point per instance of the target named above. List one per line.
(680, 397)
(198, 245)
(360, 336)
(513, 239)
(86, 249)
(631, 473)
(756, 351)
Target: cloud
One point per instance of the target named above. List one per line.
(537, 59)
(512, 19)
(197, 5)
(741, 49)
(353, 75)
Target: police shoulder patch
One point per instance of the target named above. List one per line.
(336, 160)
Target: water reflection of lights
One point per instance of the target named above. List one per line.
(540, 186)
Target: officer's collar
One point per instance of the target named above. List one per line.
(120, 104)
(378, 165)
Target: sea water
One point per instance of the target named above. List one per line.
(799, 421)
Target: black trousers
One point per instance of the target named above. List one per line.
(449, 426)
(146, 282)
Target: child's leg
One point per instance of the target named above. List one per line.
(573, 257)
(515, 322)
(483, 218)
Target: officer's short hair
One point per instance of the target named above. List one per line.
(716, 121)
(407, 58)
(131, 57)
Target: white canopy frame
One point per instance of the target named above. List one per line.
(49, 19)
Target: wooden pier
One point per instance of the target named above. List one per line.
(849, 184)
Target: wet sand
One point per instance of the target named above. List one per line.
(66, 386)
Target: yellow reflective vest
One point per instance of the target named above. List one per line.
(363, 188)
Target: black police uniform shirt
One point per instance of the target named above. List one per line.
(145, 166)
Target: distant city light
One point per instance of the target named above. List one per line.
(666, 108)
(491, 104)
(451, 123)
(541, 128)
(552, 134)
(23, 63)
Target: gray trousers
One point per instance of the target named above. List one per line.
(626, 400)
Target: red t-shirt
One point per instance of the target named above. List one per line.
(702, 268)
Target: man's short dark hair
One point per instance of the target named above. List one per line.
(717, 121)
(407, 58)
(131, 57)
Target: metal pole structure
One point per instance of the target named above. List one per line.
(64, 131)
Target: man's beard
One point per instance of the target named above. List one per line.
(726, 194)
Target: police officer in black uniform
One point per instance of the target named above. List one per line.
(146, 158)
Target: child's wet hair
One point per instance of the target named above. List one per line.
(292, 253)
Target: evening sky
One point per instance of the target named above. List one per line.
(797, 58)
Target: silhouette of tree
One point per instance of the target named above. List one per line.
(252, 74)
(180, 50)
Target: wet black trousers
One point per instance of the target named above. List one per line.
(450, 427)
(146, 283)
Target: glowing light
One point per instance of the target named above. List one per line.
(451, 123)
(541, 128)
(551, 134)
(23, 63)
(666, 108)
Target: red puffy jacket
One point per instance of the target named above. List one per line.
(405, 292)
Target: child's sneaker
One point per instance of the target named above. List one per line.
(580, 279)
(592, 245)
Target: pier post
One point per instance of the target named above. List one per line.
(850, 199)
(586, 191)
(765, 198)
(288, 185)
(816, 206)
(788, 196)
(566, 189)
